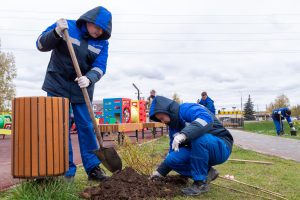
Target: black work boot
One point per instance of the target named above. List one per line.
(97, 174)
(197, 188)
(212, 175)
(281, 133)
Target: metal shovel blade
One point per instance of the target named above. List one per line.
(109, 158)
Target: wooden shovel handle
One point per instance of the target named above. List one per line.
(84, 90)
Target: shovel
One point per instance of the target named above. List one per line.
(107, 155)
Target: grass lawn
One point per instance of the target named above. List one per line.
(268, 128)
(282, 177)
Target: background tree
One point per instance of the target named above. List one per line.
(280, 102)
(295, 110)
(249, 109)
(176, 98)
(7, 73)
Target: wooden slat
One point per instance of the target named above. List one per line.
(42, 136)
(108, 127)
(34, 137)
(27, 137)
(15, 139)
(55, 135)
(49, 136)
(66, 132)
(159, 125)
(149, 125)
(129, 127)
(21, 147)
(61, 136)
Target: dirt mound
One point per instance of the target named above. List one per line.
(128, 184)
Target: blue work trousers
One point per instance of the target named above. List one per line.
(196, 161)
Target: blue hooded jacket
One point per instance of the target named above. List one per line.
(191, 119)
(281, 113)
(209, 104)
(91, 55)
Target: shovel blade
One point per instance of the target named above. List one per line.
(109, 158)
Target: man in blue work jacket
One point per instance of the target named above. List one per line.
(89, 36)
(207, 102)
(198, 141)
(278, 115)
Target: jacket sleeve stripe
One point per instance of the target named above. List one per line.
(201, 121)
(98, 70)
(40, 46)
(74, 41)
(93, 49)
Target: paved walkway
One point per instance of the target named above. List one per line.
(272, 145)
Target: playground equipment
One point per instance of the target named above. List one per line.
(135, 108)
(142, 111)
(5, 121)
(5, 124)
(40, 137)
(123, 110)
(116, 110)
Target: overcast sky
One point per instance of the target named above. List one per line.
(227, 48)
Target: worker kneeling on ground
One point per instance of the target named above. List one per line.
(198, 141)
(278, 115)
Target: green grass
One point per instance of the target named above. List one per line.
(282, 177)
(268, 128)
(51, 188)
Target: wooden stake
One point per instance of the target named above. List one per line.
(256, 187)
(240, 191)
(252, 161)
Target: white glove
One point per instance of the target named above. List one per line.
(61, 25)
(293, 128)
(155, 174)
(178, 139)
(83, 81)
(279, 112)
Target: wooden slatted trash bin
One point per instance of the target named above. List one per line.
(40, 137)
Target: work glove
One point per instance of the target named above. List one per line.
(83, 81)
(178, 139)
(61, 25)
(155, 175)
(291, 124)
(293, 129)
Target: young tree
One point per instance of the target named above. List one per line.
(7, 73)
(249, 109)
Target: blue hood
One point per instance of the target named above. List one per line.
(162, 104)
(99, 16)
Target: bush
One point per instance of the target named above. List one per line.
(142, 158)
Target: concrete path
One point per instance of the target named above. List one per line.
(272, 145)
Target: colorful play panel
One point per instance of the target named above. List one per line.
(5, 125)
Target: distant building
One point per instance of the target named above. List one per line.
(262, 115)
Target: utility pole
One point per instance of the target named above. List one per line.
(241, 103)
(138, 91)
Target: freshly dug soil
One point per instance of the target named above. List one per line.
(128, 184)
